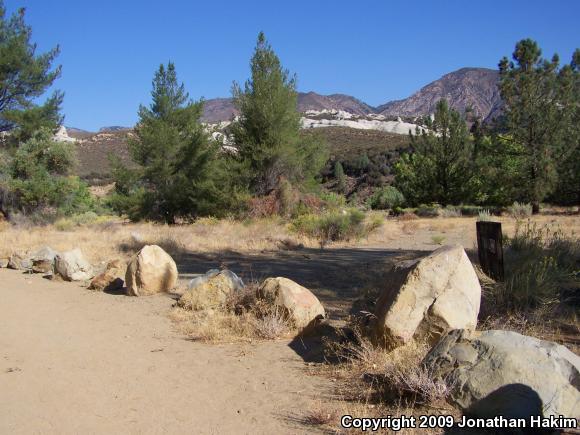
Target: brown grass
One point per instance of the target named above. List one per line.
(118, 238)
(372, 382)
(242, 318)
(103, 241)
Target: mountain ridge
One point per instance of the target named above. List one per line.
(468, 87)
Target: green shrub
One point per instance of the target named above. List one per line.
(428, 210)
(82, 219)
(332, 200)
(438, 239)
(470, 210)
(333, 226)
(386, 198)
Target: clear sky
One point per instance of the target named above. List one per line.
(376, 51)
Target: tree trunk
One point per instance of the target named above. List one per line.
(535, 207)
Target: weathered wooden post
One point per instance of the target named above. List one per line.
(490, 249)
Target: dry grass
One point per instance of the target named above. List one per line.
(372, 382)
(223, 326)
(102, 242)
(373, 374)
(242, 318)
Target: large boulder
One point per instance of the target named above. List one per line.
(151, 271)
(495, 373)
(299, 303)
(428, 297)
(20, 261)
(113, 277)
(210, 290)
(43, 260)
(72, 266)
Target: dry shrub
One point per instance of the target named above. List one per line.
(409, 227)
(541, 265)
(242, 318)
(373, 374)
(212, 326)
(263, 206)
(520, 210)
(321, 415)
(450, 212)
(408, 217)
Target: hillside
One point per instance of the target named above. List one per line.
(344, 143)
(467, 87)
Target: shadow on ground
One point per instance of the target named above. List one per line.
(336, 276)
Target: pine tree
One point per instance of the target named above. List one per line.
(178, 169)
(533, 120)
(568, 187)
(267, 134)
(25, 76)
(439, 169)
(340, 177)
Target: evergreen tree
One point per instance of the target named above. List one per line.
(24, 76)
(267, 134)
(439, 169)
(532, 118)
(39, 176)
(568, 187)
(178, 174)
(340, 177)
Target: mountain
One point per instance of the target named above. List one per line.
(467, 87)
(314, 101)
(222, 109)
(218, 109)
(113, 128)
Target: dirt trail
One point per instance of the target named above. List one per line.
(73, 361)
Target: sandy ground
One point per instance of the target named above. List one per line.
(73, 361)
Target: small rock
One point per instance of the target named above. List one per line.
(4, 262)
(111, 279)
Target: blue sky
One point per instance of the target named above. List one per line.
(376, 50)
